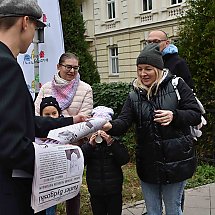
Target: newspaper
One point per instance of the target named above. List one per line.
(73, 133)
(58, 174)
(58, 167)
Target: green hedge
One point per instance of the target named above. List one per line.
(111, 95)
(114, 95)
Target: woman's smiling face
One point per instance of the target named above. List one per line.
(68, 69)
(146, 74)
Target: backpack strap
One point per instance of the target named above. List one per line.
(195, 130)
(175, 84)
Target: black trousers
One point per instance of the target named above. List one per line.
(15, 195)
(73, 205)
(106, 205)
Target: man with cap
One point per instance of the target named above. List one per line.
(18, 21)
(162, 132)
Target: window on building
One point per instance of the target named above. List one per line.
(147, 5)
(176, 1)
(114, 60)
(111, 9)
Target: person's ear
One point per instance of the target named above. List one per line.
(167, 42)
(58, 67)
(25, 22)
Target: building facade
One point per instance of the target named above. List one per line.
(117, 30)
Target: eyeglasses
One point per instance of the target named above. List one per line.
(69, 67)
(154, 41)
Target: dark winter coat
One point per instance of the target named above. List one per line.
(103, 167)
(17, 131)
(164, 154)
(178, 67)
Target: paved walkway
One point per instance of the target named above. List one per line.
(198, 201)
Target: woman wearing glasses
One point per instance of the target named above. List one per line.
(74, 97)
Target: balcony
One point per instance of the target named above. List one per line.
(144, 18)
(110, 25)
(175, 11)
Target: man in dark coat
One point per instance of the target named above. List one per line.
(172, 61)
(18, 20)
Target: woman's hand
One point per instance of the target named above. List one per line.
(107, 126)
(80, 118)
(164, 117)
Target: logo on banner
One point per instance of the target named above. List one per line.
(31, 58)
(48, 24)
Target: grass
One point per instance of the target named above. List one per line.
(205, 174)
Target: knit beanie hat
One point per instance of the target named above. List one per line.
(103, 112)
(49, 101)
(151, 55)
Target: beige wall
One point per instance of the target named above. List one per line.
(127, 31)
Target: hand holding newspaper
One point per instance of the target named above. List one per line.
(73, 133)
(59, 168)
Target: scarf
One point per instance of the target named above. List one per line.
(64, 91)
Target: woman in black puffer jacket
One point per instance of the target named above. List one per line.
(165, 155)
